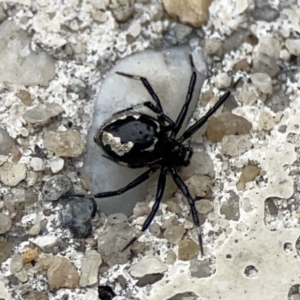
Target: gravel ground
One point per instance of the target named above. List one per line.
(55, 56)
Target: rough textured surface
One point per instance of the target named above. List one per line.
(255, 256)
(19, 64)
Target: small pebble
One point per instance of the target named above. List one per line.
(269, 46)
(293, 46)
(6, 249)
(154, 229)
(37, 164)
(25, 97)
(77, 216)
(200, 186)
(33, 295)
(99, 16)
(264, 12)
(6, 142)
(148, 265)
(141, 209)
(223, 81)
(64, 143)
(231, 208)
(56, 187)
(187, 249)
(16, 263)
(226, 124)
(122, 10)
(182, 31)
(30, 255)
(16, 154)
(204, 206)
(42, 113)
(242, 65)
(174, 233)
(56, 164)
(5, 223)
(112, 240)
(106, 292)
(62, 274)
(135, 30)
(191, 12)
(200, 268)
(235, 145)
(266, 121)
(249, 173)
(263, 82)
(47, 243)
(12, 173)
(89, 268)
(170, 257)
(213, 46)
(149, 279)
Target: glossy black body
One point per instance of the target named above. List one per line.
(151, 141)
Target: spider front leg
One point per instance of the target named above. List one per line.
(121, 191)
(158, 107)
(189, 96)
(185, 191)
(191, 130)
(159, 193)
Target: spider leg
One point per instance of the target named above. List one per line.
(185, 191)
(188, 100)
(154, 96)
(121, 191)
(191, 130)
(155, 207)
(147, 86)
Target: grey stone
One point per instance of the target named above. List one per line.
(234, 145)
(264, 12)
(6, 142)
(169, 75)
(77, 216)
(148, 265)
(89, 268)
(111, 241)
(122, 10)
(149, 279)
(18, 63)
(48, 243)
(56, 187)
(16, 263)
(6, 248)
(5, 223)
(230, 208)
(200, 268)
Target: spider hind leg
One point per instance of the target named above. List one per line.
(185, 191)
(159, 193)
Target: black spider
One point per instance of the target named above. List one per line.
(138, 140)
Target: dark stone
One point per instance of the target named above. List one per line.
(77, 216)
(149, 279)
(106, 292)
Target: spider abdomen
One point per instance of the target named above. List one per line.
(134, 139)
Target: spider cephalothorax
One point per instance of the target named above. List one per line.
(139, 140)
